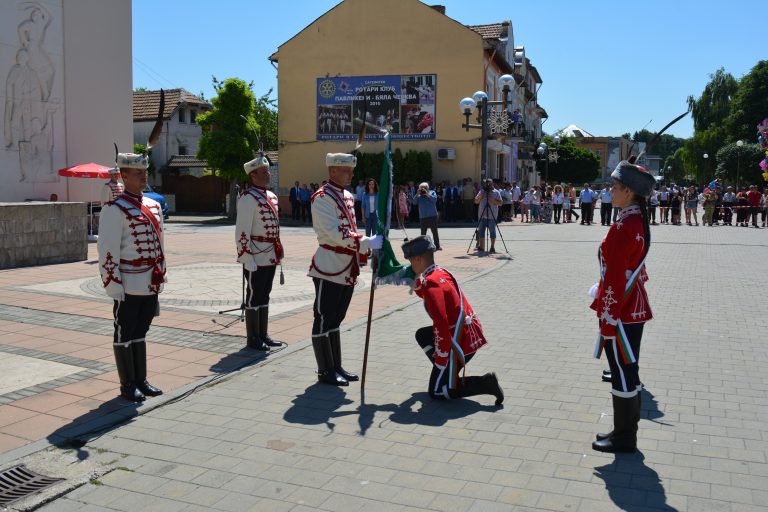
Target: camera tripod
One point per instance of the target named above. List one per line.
(241, 308)
(481, 216)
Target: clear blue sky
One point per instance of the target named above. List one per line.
(608, 66)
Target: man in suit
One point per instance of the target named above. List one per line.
(295, 200)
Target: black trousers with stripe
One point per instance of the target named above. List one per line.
(331, 303)
(625, 378)
(438, 379)
(133, 316)
(258, 286)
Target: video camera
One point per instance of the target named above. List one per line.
(487, 185)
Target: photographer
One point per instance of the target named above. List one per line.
(488, 201)
(426, 200)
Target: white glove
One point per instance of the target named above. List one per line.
(375, 242)
(115, 291)
(593, 290)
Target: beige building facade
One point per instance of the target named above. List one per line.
(423, 61)
(65, 93)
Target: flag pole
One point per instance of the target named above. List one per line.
(374, 267)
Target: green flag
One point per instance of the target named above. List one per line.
(390, 271)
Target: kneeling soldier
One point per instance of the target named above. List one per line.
(455, 334)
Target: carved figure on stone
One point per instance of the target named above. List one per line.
(29, 108)
(32, 36)
(22, 103)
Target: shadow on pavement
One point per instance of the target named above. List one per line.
(116, 412)
(632, 485)
(240, 359)
(94, 423)
(319, 404)
(431, 413)
(650, 407)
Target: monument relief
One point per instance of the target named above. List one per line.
(30, 108)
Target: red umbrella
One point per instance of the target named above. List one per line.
(90, 170)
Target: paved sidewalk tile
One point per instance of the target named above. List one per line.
(271, 438)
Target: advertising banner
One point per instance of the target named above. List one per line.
(403, 103)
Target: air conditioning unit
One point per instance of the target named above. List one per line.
(446, 154)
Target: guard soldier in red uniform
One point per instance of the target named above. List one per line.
(455, 334)
(257, 241)
(621, 302)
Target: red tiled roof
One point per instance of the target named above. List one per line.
(145, 104)
(491, 30)
(272, 155)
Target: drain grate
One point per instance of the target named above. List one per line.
(19, 482)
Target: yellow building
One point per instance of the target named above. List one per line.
(407, 65)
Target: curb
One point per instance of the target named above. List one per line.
(81, 434)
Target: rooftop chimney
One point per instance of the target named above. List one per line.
(439, 8)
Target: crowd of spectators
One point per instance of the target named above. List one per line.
(492, 202)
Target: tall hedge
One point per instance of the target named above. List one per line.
(415, 166)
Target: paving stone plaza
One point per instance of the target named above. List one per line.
(237, 431)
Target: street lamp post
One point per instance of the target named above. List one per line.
(706, 167)
(666, 176)
(739, 143)
(544, 152)
(502, 119)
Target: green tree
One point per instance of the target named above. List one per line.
(740, 164)
(574, 164)
(709, 112)
(265, 113)
(674, 168)
(750, 104)
(227, 142)
(141, 89)
(141, 149)
(713, 106)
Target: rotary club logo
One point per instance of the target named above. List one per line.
(327, 88)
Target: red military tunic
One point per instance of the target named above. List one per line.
(443, 300)
(621, 296)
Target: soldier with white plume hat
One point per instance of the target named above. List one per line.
(259, 250)
(335, 265)
(132, 266)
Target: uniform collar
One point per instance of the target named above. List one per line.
(335, 185)
(137, 197)
(430, 269)
(263, 189)
(632, 209)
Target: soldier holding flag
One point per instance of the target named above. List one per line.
(335, 265)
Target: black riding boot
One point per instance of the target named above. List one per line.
(253, 330)
(326, 373)
(335, 339)
(626, 416)
(263, 326)
(127, 373)
(488, 384)
(140, 363)
(600, 437)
